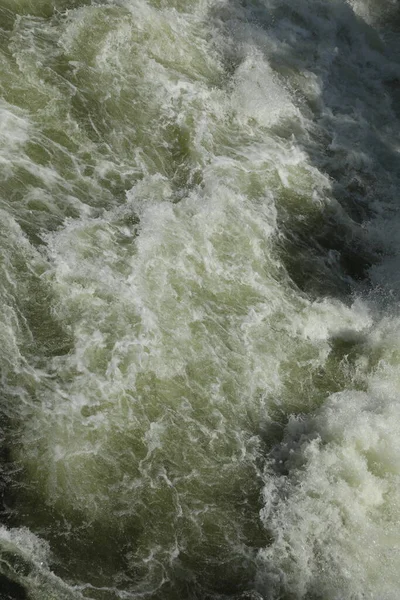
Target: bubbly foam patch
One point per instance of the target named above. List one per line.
(334, 517)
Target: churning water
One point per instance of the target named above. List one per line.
(200, 286)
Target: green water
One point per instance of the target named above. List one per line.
(199, 300)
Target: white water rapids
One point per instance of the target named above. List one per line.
(199, 299)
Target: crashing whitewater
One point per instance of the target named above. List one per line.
(199, 322)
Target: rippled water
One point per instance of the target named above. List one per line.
(199, 322)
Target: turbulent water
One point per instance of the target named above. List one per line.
(199, 299)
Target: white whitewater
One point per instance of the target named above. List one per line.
(199, 322)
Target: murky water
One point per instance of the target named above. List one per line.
(199, 322)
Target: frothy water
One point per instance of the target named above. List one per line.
(199, 299)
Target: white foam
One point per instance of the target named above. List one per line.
(192, 154)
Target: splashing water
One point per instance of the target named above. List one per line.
(199, 299)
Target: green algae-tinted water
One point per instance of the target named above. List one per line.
(199, 324)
